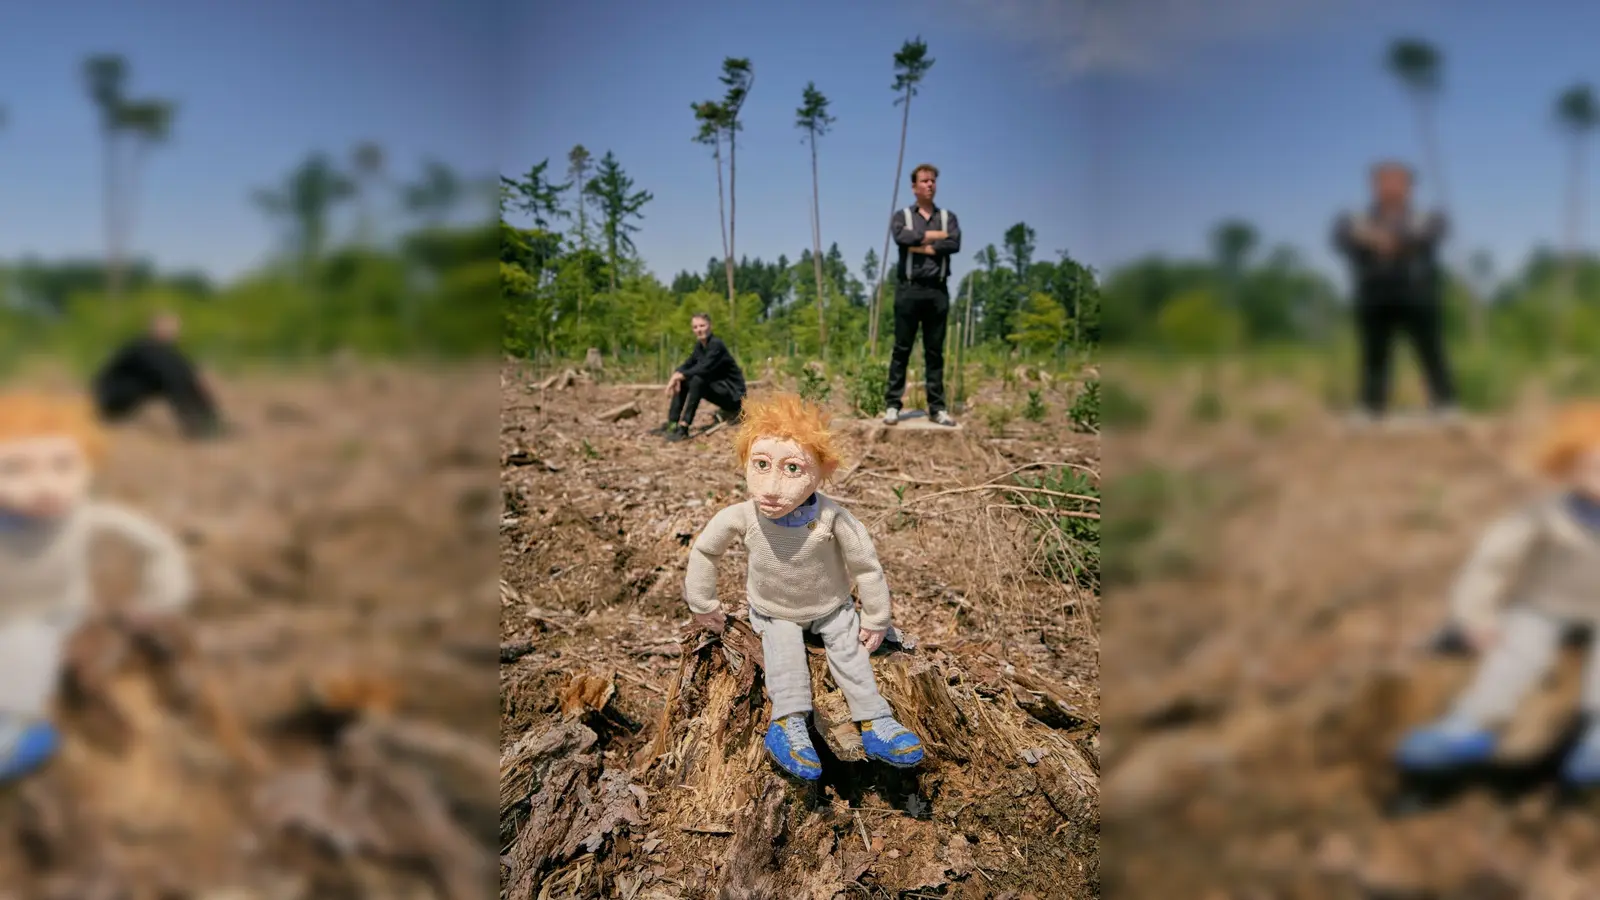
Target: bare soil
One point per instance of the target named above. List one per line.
(631, 759)
(1270, 649)
(320, 724)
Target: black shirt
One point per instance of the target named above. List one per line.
(712, 361)
(1411, 273)
(908, 226)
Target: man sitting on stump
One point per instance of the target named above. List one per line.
(710, 373)
(151, 366)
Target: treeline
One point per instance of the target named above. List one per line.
(574, 280)
(1242, 297)
(418, 286)
(563, 296)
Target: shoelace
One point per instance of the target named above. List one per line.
(887, 729)
(794, 728)
(11, 730)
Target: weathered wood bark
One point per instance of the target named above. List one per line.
(616, 414)
(994, 767)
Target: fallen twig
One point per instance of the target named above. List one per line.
(511, 651)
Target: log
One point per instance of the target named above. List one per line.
(616, 414)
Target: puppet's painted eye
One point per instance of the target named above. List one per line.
(761, 465)
(792, 469)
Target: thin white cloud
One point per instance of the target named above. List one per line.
(1072, 38)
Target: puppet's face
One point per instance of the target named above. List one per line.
(1585, 475)
(781, 475)
(42, 477)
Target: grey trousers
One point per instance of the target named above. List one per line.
(1514, 666)
(789, 677)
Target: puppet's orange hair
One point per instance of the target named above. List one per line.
(789, 417)
(1574, 431)
(29, 414)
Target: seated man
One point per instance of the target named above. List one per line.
(151, 366)
(711, 374)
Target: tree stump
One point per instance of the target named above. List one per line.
(990, 769)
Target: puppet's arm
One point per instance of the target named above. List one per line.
(861, 561)
(1489, 573)
(700, 584)
(167, 585)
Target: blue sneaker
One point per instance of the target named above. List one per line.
(1582, 766)
(888, 741)
(791, 748)
(1446, 745)
(34, 745)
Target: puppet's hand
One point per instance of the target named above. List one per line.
(713, 621)
(872, 640)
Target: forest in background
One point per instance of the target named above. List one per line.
(574, 280)
(423, 285)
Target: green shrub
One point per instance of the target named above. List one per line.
(868, 383)
(1035, 410)
(814, 385)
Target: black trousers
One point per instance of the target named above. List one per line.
(925, 306)
(1378, 321)
(149, 371)
(727, 395)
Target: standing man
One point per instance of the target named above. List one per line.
(1393, 254)
(711, 373)
(927, 237)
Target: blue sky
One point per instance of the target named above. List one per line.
(1114, 129)
(259, 85)
(995, 114)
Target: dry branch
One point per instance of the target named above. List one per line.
(616, 414)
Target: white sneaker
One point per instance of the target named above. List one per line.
(943, 418)
(1361, 420)
(892, 416)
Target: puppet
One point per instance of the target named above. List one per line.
(1534, 576)
(50, 448)
(805, 553)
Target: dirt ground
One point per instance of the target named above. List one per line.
(598, 518)
(1268, 649)
(321, 723)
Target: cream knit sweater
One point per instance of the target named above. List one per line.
(45, 572)
(1538, 555)
(796, 573)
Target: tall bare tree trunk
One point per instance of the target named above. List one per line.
(114, 273)
(816, 252)
(894, 205)
(733, 199)
(1435, 166)
(972, 317)
(727, 245)
(583, 241)
(130, 201)
(1569, 274)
